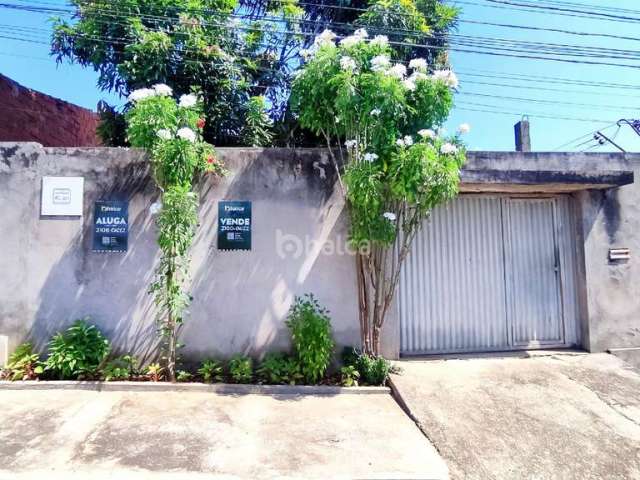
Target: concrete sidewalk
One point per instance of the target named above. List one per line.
(74, 434)
(560, 417)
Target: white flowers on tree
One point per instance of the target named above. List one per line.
(418, 76)
(188, 101)
(448, 148)
(380, 63)
(380, 40)
(427, 133)
(419, 64)
(186, 134)
(409, 84)
(397, 71)
(448, 77)
(464, 128)
(390, 216)
(159, 89)
(141, 94)
(361, 32)
(393, 171)
(326, 37)
(348, 64)
(164, 134)
(163, 90)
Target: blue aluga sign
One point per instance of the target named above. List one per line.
(234, 225)
(110, 226)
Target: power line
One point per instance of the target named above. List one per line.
(517, 46)
(549, 102)
(532, 8)
(533, 114)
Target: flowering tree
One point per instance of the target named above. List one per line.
(172, 134)
(392, 163)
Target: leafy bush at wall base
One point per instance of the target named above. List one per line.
(373, 370)
(279, 369)
(120, 368)
(211, 371)
(77, 353)
(24, 364)
(241, 369)
(310, 329)
(349, 376)
(154, 372)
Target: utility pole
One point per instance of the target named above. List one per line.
(633, 123)
(601, 138)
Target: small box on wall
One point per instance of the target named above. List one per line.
(619, 254)
(62, 196)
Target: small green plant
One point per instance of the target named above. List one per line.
(241, 369)
(211, 371)
(374, 370)
(154, 372)
(24, 364)
(278, 369)
(310, 329)
(78, 352)
(184, 376)
(120, 368)
(349, 376)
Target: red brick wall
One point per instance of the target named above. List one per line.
(30, 116)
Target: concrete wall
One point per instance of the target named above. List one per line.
(50, 276)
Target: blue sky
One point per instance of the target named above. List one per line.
(30, 65)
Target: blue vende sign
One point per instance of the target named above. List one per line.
(111, 226)
(234, 225)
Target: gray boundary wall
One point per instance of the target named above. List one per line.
(50, 275)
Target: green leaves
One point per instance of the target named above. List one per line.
(313, 344)
(172, 134)
(211, 371)
(278, 369)
(241, 369)
(78, 352)
(23, 364)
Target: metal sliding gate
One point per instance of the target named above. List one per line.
(491, 273)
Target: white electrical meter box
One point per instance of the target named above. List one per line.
(62, 196)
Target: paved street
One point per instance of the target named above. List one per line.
(561, 417)
(76, 434)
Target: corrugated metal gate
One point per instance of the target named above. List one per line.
(491, 273)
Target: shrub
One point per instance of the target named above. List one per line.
(211, 371)
(120, 368)
(310, 329)
(278, 369)
(374, 370)
(24, 364)
(78, 352)
(241, 369)
(154, 372)
(349, 376)
(184, 376)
